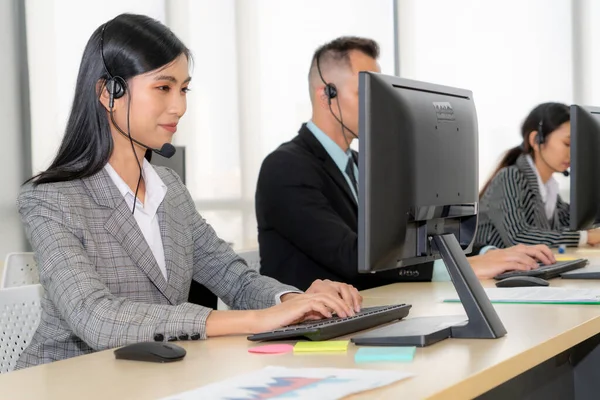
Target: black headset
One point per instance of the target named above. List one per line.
(540, 138)
(115, 85)
(330, 89)
(331, 93)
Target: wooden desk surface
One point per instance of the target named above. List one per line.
(451, 369)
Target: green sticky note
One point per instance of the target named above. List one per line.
(384, 354)
(321, 347)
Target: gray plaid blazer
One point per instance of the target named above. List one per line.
(104, 288)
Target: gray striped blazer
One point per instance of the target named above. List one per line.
(104, 288)
(511, 211)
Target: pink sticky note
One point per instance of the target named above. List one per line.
(272, 349)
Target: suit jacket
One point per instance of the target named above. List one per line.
(308, 220)
(512, 211)
(103, 286)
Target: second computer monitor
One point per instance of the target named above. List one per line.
(585, 167)
(418, 170)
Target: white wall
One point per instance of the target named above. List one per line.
(512, 54)
(586, 14)
(210, 129)
(12, 238)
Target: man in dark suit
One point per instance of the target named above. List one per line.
(306, 197)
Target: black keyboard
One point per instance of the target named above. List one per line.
(326, 329)
(547, 271)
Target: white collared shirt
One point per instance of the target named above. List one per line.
(549, 193)
(146, 214)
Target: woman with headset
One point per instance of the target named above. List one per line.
(520, 203)
(119, 241)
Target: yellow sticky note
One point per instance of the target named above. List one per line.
(565, 258)
(321, 347)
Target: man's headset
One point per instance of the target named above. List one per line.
(332, 93)
(540, 139)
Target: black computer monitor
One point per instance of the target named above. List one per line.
(176, 162)
(585, 167)
(418, 185)
(418, 170)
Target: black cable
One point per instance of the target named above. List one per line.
(130, 141)
(340, 120)
(337, 100)
(137, 187)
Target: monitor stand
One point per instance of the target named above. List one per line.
(482, 320)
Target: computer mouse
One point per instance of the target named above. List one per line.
(151, 351)
(522, 281)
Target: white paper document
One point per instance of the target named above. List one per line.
(294, 383)
(549, 295)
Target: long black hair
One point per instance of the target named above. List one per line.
(133, 45)
(548, 115)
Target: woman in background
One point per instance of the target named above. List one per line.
(520, 203)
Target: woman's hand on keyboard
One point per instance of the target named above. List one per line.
(298, 308)
(519, 257)
(348, 293)
(540, 252)
(495, 262)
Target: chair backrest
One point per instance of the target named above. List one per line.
(252, 258)
(19, 269)
(20, 311)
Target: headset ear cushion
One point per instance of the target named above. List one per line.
(539, 138)
(331, 90)
(118, 87)
(115, 87)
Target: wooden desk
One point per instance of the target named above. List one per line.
(451, 369)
